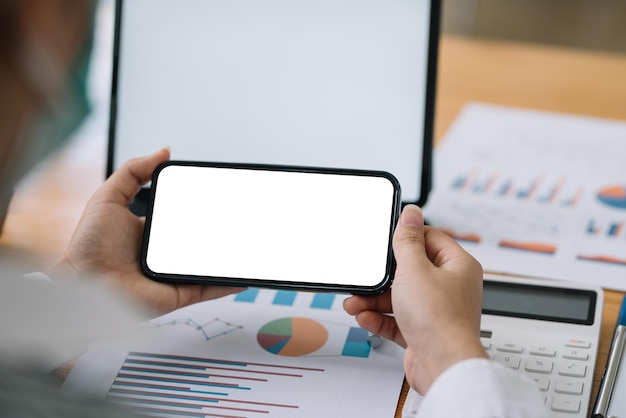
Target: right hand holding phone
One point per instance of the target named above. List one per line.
(435, 299)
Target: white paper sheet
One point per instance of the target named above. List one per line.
(260, 353)
(535, 193)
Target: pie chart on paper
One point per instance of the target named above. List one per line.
(614, 196)
(292, 336)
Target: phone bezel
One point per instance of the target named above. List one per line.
(274, 284)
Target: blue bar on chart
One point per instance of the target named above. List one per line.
(284, 297)
(480, 187)
(356, 344)
(574, 199)
(459, 182)
(247, 296)
(530, 191)
(505, 188)
(323, 301)
(615, 229)
(549, 197)
(485, 185)
(592, 228)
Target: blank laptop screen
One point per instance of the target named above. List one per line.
(327, 83)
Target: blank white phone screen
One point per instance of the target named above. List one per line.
(320, 83)
(271, 225)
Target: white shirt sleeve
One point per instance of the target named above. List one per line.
(38, 277)
(482, 388)
(57, 320)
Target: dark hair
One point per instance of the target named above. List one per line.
(8, 30)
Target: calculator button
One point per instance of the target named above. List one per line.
(539, 365)
(575, 354)
(570, 386)
(510, 348)
(578, 343)
(543, 351)
(565, 404)
(567, 368)
(543, 382)
(508, 360)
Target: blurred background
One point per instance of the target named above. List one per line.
(592, 24)
(564, 27)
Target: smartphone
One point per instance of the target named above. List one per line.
(251, 225)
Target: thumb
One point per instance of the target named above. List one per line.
(124, 183)
(409, 242)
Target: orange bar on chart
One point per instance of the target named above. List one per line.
(537, 247)
(603, 259)
(470, 237)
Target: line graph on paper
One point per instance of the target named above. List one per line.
(209, 330)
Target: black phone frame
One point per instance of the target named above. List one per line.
(274, 284)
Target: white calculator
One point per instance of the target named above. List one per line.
(548, 330)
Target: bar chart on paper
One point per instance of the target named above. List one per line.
(258, 353)
(556, 190)
(174, 385)
(508, 192)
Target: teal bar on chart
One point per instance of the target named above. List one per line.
(323, 301)
(356, 344)
(284, 297)
(247, 296)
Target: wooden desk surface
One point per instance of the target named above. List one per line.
(48, 204)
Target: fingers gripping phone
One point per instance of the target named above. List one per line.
(271, 226)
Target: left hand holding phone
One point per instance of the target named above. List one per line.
(107, 242)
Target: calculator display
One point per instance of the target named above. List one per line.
(572, 306)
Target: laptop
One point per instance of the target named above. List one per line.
(325, 83)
